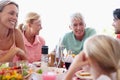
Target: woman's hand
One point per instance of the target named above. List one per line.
(11, 54)
(21, 53)
(77, 64)
(80, 60)
(18, 52)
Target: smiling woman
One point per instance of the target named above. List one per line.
(11, 42)
(33, 41)
(55, 15)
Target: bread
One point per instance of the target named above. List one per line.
(85, 74)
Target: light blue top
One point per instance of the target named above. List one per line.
(70, 43)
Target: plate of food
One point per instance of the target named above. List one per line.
(83, 75)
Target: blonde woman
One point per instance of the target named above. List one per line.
(11, 41)
(33, 42)
(102, 54)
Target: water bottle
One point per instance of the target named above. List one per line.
(44, 58)
(45, 54)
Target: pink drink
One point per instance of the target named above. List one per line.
(49, 76)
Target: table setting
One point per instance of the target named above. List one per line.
(51, 73)
(40, 70)
(23, 70)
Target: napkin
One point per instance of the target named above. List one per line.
(34, 76)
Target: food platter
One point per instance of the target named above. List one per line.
(27, 71)
(84, 75)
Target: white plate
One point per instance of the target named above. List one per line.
(37, 64)
(82, 77)
(57, 70)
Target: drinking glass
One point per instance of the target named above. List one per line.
(67, 65)
(59, 61)
(68, 59)
(49, 76)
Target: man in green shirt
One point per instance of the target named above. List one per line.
(74, 40)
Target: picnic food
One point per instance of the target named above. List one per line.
(84, 74)
(11, 73)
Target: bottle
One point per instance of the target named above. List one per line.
(52, 59)
(44, 58)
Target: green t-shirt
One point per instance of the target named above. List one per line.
(70, 43)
